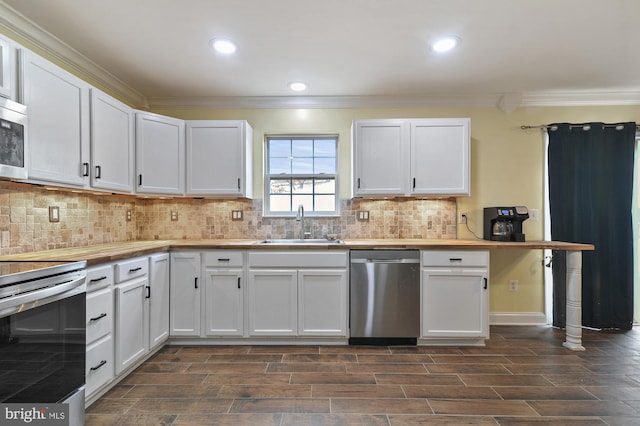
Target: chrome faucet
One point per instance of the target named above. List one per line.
(300, 218)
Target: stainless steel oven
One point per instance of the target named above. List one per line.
(43, 334)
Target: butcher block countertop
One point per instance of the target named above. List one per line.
(103, 253)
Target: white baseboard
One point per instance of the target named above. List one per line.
(517, 318)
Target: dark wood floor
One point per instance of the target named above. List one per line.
(522, 377)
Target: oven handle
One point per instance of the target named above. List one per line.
(26, 301)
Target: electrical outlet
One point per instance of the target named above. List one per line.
(463, 217)
(54, 214)
(513, 285)
(363, 215)
(174, 215)
(128, 215)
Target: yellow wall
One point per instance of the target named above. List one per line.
(507, 168)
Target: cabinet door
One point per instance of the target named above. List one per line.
(58, 116)
(322, 302)
(440, 157)
(132, 322)
(158, 295)
(111, 143)
(273, 302)
(380, 157)
(184, 312)
(224, 308)
(454, 303)
(7, 68)
(217, 156)
(160, 154)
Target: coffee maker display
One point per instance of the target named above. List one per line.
(504, 223)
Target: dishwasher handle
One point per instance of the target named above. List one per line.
(385, 260)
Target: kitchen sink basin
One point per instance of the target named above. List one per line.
(301, 241)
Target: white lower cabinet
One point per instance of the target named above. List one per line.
(455, 295)
(273, 302)
(322, 302)
(224, 302)
(297, 294)
(132, 312)
(158, 297)
(132, 322)
(99, 322)
(184, 310)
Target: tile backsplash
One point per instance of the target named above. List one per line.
(87, 219)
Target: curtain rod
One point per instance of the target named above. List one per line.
(574, 126)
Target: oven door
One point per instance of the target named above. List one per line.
(42, 342)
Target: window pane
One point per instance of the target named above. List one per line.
(305, 200)
(325, 203)
(325, 186)
(279, 165)
(324, 165)
(302, 166)
(324, 148)
(303, 186)
(279, 148)
(280, 186)
(302, 148)
(280, 203)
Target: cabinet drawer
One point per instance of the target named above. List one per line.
(99, 314)
(223, 259)
(99, 277)
(99, 368)
(298, 259)
(133, 268)
(452, 258)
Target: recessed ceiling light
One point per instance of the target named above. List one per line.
(298, 86)
(445, 44)
(223, 45)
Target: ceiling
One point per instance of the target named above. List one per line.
(512, 52)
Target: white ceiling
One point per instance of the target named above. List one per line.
(512, 51)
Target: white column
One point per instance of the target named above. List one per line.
(574, 301)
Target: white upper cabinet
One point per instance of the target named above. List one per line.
(219, 158)
(380, 157)
(58, 116)
(440, 157)
(8, 67)
(112, 143)
(160, 154)
(409, 157)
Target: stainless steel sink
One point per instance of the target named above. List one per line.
(301, 241)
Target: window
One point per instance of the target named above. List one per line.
(301, 170)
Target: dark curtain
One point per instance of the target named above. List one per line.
(590, 201)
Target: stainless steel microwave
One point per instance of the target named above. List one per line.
(13, 140)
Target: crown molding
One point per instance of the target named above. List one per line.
(506, 102)
(581, 98)
(16, 24)
(310, 102)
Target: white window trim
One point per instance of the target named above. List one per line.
(267, 177)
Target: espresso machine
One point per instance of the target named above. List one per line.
(504, 223)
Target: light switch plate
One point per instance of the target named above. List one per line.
(236, 215)
(363, 215)
(533, 215)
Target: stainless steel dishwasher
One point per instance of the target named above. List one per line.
(384, 297)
